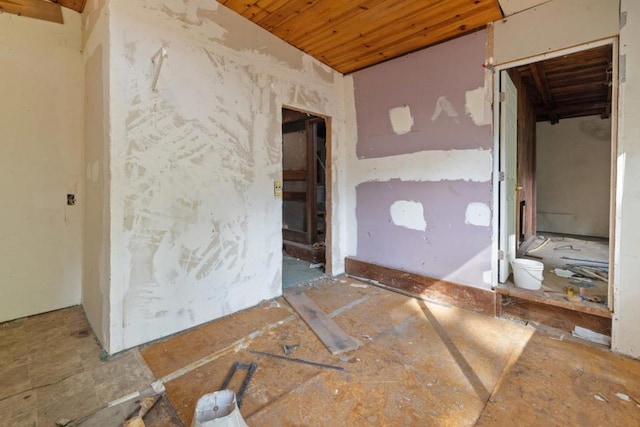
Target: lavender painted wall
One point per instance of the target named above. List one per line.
(427, 223)
(449, 248)
(420, 81)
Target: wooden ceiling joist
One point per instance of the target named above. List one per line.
(77, 5)
(38, 9)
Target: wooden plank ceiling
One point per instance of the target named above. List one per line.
(572, 85)
(351, 35)
(41, 9)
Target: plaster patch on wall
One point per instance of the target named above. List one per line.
(478, 213)
(486, 277)
(443, 104)
(476, 106)
(432, 165)
(408, 214)
(401, 119)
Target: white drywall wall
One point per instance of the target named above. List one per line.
(554, 25)
(626, 318)
(573, 176)
(195, 227)
(95, 266)
(41, 128)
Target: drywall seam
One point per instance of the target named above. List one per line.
(432, 165)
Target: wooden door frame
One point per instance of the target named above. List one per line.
(615, 191)
(328, 241)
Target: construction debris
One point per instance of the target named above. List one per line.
(296, 360)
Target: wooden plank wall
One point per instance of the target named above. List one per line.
(526, 160)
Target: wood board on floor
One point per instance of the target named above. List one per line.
(334, 338)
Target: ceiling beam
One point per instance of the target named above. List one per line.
(38, 9)
(573, 110)
(77, 5)
(540, 80)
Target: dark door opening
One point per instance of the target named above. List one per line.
(304, 172)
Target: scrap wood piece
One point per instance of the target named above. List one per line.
(295, 359)
(334, 338)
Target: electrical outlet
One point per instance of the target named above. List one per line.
(277, 188)
(71, 199)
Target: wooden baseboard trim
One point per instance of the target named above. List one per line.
(423, 287)
(511, 307)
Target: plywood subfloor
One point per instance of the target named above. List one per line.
(420, 364)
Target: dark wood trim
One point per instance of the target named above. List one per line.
(304, 251)
(292, 127)
(296, 196)
(328, 268)
(423, 287)
(294, 175)
(546, 314)
(294, 236)
(586, 307)
(312, 205)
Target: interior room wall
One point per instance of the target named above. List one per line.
(574, 176)
(95, 266)
(195, 225)
(420, 172)
(41, 135)
(626, 316)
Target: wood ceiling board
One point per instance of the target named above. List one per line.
(344, 22)
(349, 35)
(578, 84)
(406, 24)
(261, 10)
(77, 5)
(291, 11)
(38, 9)
(410, 43)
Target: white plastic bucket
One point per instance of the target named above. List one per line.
(218, 409)
(527, 274)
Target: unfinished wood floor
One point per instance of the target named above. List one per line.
(419, 364)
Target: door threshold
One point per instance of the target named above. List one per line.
(553, 299)
(553, 310)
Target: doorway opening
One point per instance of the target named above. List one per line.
(557, 148)
(304, 197)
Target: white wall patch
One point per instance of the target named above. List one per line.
(477, 107)
(408, 214)
(401, 119)
(443, 104)
(478, 214)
